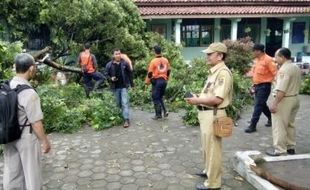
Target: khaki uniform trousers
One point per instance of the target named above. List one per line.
(283, 128)
(211, 148)
(22, 163)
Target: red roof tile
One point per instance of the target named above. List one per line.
(206, 11)
(222, 2)
(218, 1)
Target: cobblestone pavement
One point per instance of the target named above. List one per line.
(151, 154)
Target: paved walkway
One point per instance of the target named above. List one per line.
(150, 154)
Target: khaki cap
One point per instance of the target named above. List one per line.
(216, 47)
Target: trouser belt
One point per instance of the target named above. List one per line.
(287, 96)
(204, 108)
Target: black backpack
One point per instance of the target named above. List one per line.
(10, 130)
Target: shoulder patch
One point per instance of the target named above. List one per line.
(221, 81)
(34, 97)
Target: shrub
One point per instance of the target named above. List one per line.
(305, 86)
(66, 109)
(239, 55)
(7, 54)
(241, 96)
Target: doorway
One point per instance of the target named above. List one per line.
(274, 34)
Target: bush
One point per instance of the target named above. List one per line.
(305, 86)
(241, 96)
(66, 109)
(7, 54)
(239, 55)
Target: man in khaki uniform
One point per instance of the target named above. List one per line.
(217, 92)
(22, 161)
(285, 105)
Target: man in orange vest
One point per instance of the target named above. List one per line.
(158, 74)
(88, 63)
(263, 72)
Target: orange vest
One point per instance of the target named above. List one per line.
(86, 62)
(159, 67)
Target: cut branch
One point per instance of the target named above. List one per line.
(41, 53)
(62, 67)
(46, 60)
(275, 180)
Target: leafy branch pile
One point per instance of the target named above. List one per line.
(66, 109)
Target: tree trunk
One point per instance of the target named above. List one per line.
(41, 53)
(277, 181)
(38, 55)
(62, 67)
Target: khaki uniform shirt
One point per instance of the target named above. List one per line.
(288, 79)
(219, 84)
(29, 106)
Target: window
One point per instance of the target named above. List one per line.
(197, 33)
(298, 35)
(159, 28)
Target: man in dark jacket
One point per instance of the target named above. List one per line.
(119, 70)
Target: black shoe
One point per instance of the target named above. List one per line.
(201, 186)
(290, 151)
(250, 129)
(201, 174)
(158, 113)
(272, 152)
(268, 124)
(166, 114)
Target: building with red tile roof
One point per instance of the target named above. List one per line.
(196, 23)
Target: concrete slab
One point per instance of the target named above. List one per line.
(242, 161)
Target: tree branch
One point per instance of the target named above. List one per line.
(46, 60)
(275, 180)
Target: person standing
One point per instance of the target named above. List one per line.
(88, 64)
(215, 96)
(158, 74)
(263, 70)
(119, 70)
(285, 105)
(22, 157)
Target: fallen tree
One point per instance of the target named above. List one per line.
(275, 180)
(42, 56)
